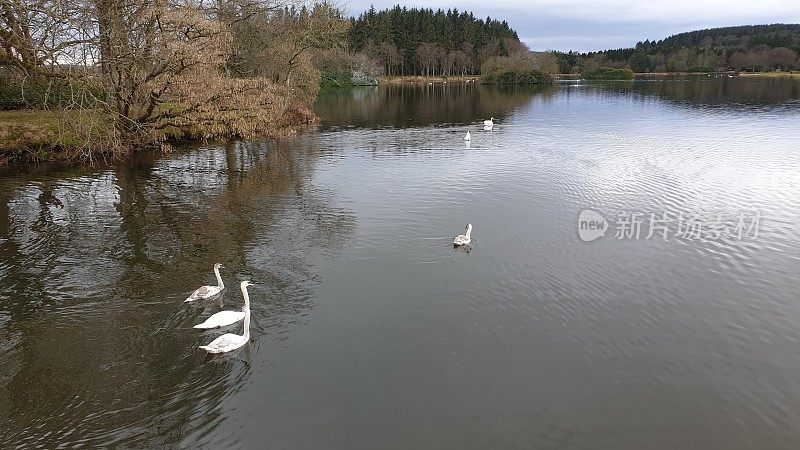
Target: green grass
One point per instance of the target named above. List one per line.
(37, 135)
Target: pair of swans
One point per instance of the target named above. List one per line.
(230, 341)
(226, 342)
(487, 126)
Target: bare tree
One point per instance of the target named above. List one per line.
(391, 57)
(277, 43)
(430, 57)
(38, 36)
(175, 67)
(468, 49)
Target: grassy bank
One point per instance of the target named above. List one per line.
(46, 135)
(84, 136)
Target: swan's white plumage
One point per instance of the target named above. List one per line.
(221, 319)
(225, 318)
(467, 137)
(488, 124)
(229, 341)
(205, 292)
(464, 239)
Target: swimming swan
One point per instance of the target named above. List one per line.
(229, 341)
(467, 137)
(463, 239)
(208, 291)
(488, 124)
(225, 318)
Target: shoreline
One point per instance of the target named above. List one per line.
(795, 75)
(575, 76)
(397, 79)
(428, 79)
(30, 137)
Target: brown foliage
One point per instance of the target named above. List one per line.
(174, 68)
(520, 59)
(298, 115)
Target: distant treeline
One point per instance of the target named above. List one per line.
(741, 48)
(427, 42)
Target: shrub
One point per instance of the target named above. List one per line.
(346, 78)
(608, 73)
(532, 76)
(700, 69)
(18, 93)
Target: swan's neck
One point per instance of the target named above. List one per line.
(246, 310)
(469, 231)
(246, 297)
(219, 278)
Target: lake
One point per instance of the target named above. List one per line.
(670, 319)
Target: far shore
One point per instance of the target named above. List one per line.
(428, 79)
(572, 76)
(772, 74)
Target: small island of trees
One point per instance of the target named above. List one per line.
(608, 73)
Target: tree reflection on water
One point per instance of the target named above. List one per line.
(97, 343)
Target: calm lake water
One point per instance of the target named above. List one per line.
(370, 331)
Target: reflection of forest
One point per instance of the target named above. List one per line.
(704, 91)
(93, 269)
(420, 104)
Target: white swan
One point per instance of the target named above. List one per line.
(229, 341)
(467, 137)
(488, 124)
(225, 318)
(463, 239)
(205, 292)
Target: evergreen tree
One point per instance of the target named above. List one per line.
(452, 41)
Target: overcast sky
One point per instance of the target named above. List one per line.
(586, 25)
